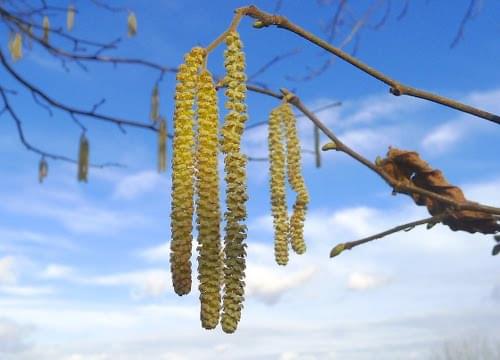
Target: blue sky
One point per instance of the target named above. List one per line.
(84, 270)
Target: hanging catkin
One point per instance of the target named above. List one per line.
(46, 29)
(70, 17)
(207, 204)
(43, 170)
(16, 47)
(278, 185)
(83, 158)
(131, 24)
(162, 146)
(236, 194)
(296, 181)
(183, 171)
(155, 104)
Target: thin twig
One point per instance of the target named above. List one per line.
(396, 88)
(404, 227)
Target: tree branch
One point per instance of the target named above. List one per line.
(396, 88)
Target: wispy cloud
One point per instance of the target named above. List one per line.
(134, 186)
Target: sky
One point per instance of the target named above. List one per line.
(84, 271)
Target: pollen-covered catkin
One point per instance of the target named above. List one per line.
(83, 159)
(296, 181)
(162, 146)
(207, 204)
(183, 171)
(235, 177)
(278, 185)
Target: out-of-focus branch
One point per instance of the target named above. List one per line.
(471, 12)
(7, 108)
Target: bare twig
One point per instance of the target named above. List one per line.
(473, 7)
(396, 88)
(404, 227)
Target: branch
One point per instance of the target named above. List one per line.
(8, 108)
(430, 221)
(396, 88)
(71, 110)
(469, 15)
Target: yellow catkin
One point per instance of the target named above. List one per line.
(278, 185)
(70, 17)
(83, 159)
(43, 170)
(131, 24)
(155, 104)
(46, 29)
(16, 47)
(236, 192)
(296, 181)
(162, 146)
(183, 171)
(207, 204)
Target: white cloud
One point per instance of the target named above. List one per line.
(26, 291)
(364, 281)
(8, 270)
(269, 283)
(17, 238)
(56, 271)
(144, 284)
(444, 137)
(14, 337)
(156, 253)
(134, 186)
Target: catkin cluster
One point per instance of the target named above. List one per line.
(236, 193)
(282, 125)
(183, 171)
(207, 203)
(83, 158)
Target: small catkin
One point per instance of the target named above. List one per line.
(46, 29)
(70, 17)
(155, 104)
(131, 24)
(183, 171)
(296, 181)
(278, 185)
(16, 47)
(162, 146)
(236, 192)
(43, 170)
(207, 204)
(83, 159)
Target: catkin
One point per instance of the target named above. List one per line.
(236, 192)
(278, 185)
(207, 204)
(155, 104)
(296, 181)
(183, 171)
(46, 29)
(43, 170)
(162, 146)
(70, 17)
(131, 24)
(16, 47)
(83, 159)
